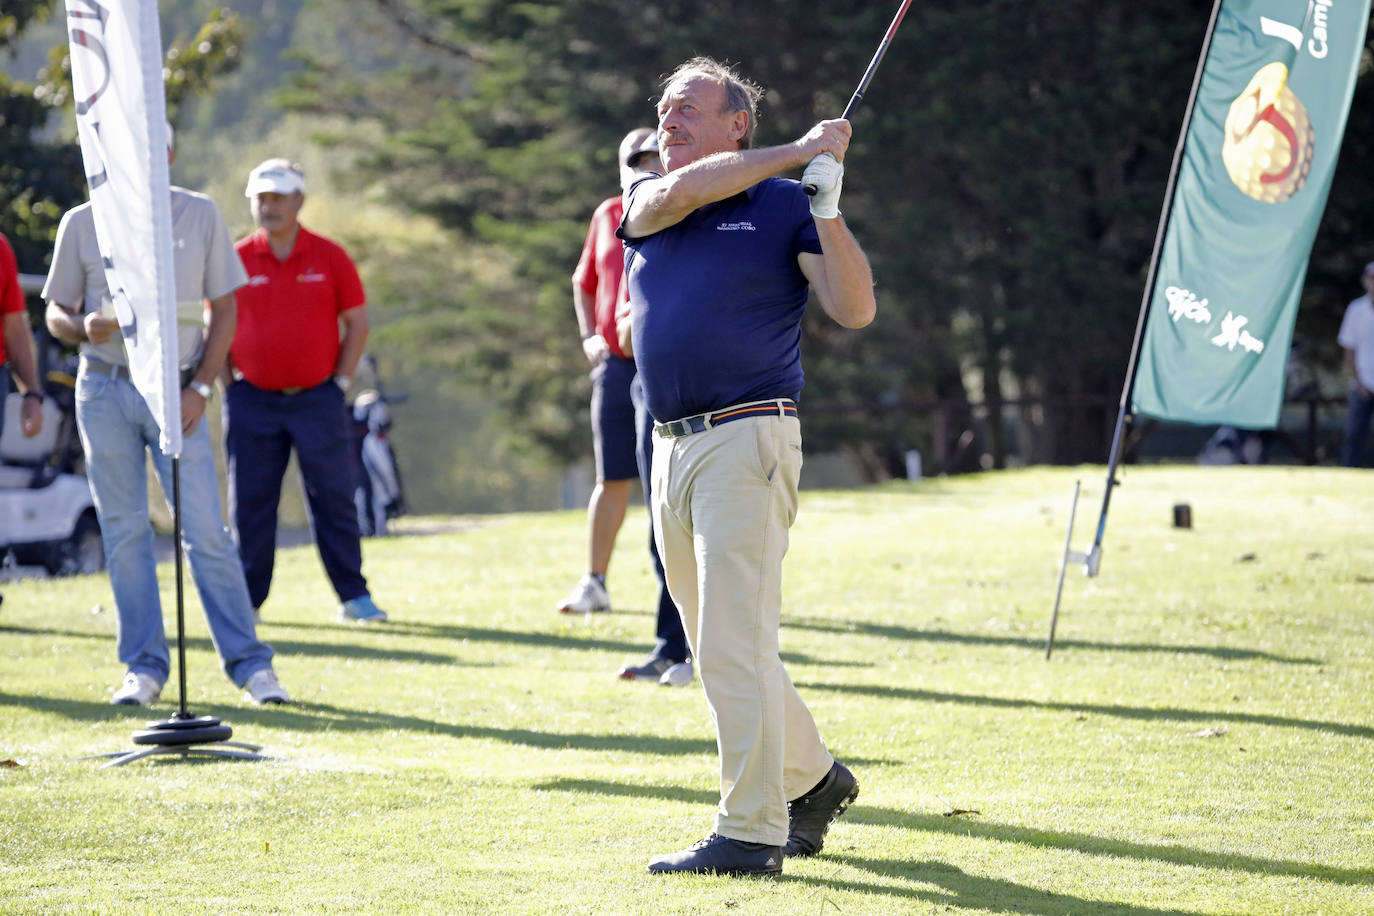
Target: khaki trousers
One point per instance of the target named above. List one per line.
(723, 501)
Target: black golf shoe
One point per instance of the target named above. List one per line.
(810, 817)
(721, 855)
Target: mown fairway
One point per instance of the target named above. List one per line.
(1201, 742)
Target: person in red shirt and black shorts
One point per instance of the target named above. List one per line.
(290, 374)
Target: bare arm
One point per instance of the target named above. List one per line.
(593, 345)
(68, 324)
(19, 345)
(354, 342)
(224, 319)
(840, 275)
(218, 336)
(663, 202)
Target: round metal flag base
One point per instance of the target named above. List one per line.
(177, 731)
(184, 735)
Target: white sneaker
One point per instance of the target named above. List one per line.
(588, 596)
(262, 687)
(137, 690)
(680, 675)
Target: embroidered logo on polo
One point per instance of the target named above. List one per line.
(741, 226)
(311, 276)
(259, 280)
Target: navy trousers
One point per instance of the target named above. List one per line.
(672, 641)
(260, 430)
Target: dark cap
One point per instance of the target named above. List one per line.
(648, 145)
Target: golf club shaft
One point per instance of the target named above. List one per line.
(858, 95)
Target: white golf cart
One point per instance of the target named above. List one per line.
(47, 517)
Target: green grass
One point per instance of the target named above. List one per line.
(478, 756)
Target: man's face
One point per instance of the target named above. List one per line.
(1369, 283)
(277, 212)
(692, 123)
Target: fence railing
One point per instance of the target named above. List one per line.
(963, 435)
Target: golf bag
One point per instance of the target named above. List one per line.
(379, 495)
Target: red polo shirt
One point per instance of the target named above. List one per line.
(601, 269)
(11, 296)
(288, 312)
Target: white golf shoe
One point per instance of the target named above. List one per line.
(138, 689)
(262, 686)
(587, 597)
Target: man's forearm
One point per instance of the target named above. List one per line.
(583, 307)
(19, 346)
(848, 277)
(354, 342)
(666, 201)
(64, 324)
(218, 338)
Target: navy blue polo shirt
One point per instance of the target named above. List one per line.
(717, 301)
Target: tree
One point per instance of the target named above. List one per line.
(1006, 179)
(41, 178)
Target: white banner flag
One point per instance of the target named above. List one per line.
(121, 117)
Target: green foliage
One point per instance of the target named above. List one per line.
(1006, 179)
(1201, 743)
(984, 197)
(41, 177)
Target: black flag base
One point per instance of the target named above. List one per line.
(183, 734)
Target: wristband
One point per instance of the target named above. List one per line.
(201, 388)
(34, 394)
(344, 383)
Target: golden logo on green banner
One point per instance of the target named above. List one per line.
(1269, 138)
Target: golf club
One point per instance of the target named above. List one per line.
(858, 95)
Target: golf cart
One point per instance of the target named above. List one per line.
(47, 517)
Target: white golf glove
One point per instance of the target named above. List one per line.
(825, 173)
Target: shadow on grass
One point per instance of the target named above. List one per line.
(548, 640)
(322, 717)
(47, 631)
(1037, 644)
(460, 633)
(948, 886)
(1101, 709)
(1039, 838)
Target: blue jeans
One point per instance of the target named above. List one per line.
(1358, 411)
(260, 430)
(117, 429)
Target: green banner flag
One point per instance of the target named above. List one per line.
(1257, 164)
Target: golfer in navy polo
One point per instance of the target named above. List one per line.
(719, 257)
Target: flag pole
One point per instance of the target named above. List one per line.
(1095, 554)
(1093, 561)
(183, 713)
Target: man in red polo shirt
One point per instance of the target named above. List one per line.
(16, 346)
(290, 372)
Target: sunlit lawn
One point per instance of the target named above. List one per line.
(1201, 742)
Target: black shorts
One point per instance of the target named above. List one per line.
(613, 419)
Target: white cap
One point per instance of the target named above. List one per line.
(275, 176)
